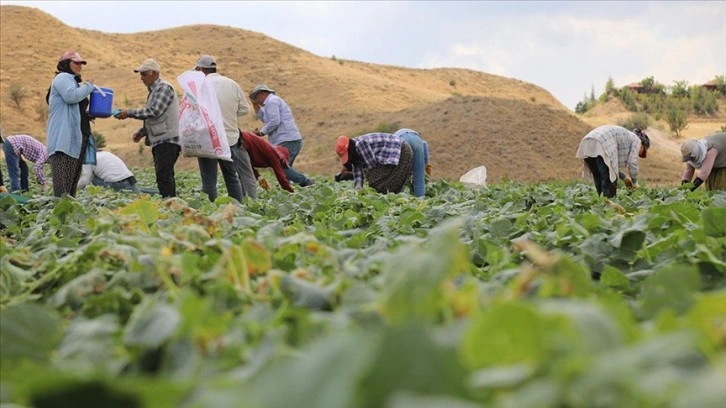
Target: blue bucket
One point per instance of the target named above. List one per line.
(100, 105)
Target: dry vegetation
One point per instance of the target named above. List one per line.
(516, 129)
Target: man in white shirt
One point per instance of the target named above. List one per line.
(109, 171)
(233, 104)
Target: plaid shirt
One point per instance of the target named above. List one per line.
(376, 149)
(618, 146)
(160, 97)
(32, 150)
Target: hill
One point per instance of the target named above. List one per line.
(517, 129)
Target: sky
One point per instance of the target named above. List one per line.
(568, 48)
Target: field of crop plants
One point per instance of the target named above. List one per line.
(512, 296)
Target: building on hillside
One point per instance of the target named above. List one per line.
(710, 85)
(636, 87)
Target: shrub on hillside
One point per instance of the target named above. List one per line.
(17, 94)
(628, 98)
(704, 101)
(636, 120)
(677, 116)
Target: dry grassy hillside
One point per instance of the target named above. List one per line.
(518, 130)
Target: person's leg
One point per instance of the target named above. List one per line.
(165, 157)
(609, 188)
(243, 166)
(62, 169)
(231, 179)
(716, 180)
(419, 163)
(208, 172)
(13, 162)
(292, 174)
(24, 175)
(596, 177)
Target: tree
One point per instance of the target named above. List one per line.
(680, 89)
(677, 116)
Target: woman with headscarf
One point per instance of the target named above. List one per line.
(382, 158)
(607, 149)
(69, 127)
(706, 158)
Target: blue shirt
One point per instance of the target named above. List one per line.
(376, 149)
(63, 128)
(279, 124)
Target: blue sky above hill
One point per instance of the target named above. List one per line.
(565, 47)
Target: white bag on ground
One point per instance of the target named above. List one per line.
(201, 128)
(475, 178)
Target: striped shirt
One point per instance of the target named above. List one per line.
(618, 146)
(32, 150)
(161, 95)
(376, 149)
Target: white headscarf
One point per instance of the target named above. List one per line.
(698, 153)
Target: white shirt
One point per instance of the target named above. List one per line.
(232, 103)
(109, 168)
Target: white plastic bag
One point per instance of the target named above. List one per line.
(201, 128)
(475, 178)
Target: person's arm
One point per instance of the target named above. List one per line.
(69, 90)
(633, 164)
(273, 159)
(39, 173)
(271, 116)
(158, 103)
(687, 174)
(706, 167)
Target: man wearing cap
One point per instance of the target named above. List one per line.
(605, 150)
(382, 158)
(263, 154)
(17, 149)
(233, 105)
(161, 125)
(280, 126)
(706, 158)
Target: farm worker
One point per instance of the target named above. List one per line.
(384, 159)
(421, 166)
(3, 189)
(707, 159)
(608, 148)
(238, 175)
(344, 175)
(280, 126)
(263, 154)
(68, 128)
(161, 125)
(109, 171)
(17, 149)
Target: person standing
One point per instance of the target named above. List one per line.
(238, 174)
(421, 166)
(17, 149)
(68, 128)
(109, 171)
(608, 148)
(161, 125)
(382, 158)
(706, 159)
(263, 154)
(280, 126)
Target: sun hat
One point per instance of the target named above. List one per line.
(259, 88)
(73, 56)
(206, 61)
(341, 148)
(687, 148)
(148, 65)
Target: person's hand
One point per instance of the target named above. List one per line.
(258, 133)
(263, 183)
(428, 170)
(44, 187)
(137, 137)
(628, 182)
(122, 114)
(90, 81)
(3, 189)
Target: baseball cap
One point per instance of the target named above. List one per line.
(73, 56)
(206, 61)
(148, 65)
(341, 148)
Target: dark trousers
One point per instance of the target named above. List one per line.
(165, 157)
(601, 175)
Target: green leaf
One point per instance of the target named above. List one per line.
(714, 221)
(151, 324)
(614, 278)
(28, 330)
(670, 288)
